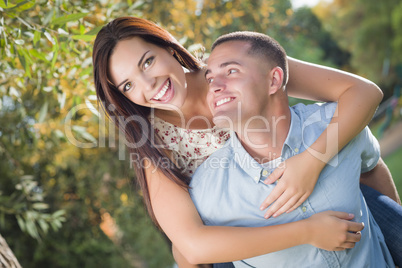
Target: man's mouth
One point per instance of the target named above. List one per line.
(223, 101)
(164, 93)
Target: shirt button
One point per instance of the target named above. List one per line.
(296, 150)
(265, 173)
(256, 179)
(304, 209)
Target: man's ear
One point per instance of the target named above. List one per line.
(276, 79)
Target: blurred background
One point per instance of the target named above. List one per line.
(67, 197)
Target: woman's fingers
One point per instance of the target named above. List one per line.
(288, 203)
(274, 195)
(275, 175)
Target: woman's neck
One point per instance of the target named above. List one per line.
(195, 111)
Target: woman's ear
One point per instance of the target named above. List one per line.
(276, 79)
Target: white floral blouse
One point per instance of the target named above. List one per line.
(190, 147)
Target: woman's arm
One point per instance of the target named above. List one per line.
(357, 100)
(177, 216)
(183, 263)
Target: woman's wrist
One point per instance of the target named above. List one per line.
(312, 161)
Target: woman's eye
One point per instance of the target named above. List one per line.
(127, 86)
(148, 62)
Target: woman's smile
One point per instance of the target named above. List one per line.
(166, 92)
(155, 76)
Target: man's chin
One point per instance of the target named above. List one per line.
(224, 121)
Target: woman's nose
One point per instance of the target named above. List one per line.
(148, 82)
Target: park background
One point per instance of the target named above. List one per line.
(67, 196)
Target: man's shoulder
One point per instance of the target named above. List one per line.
(317, 115)
(324, 109)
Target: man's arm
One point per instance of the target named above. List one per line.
(380, 179)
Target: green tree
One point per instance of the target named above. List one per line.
(370, 31)
(67, 197)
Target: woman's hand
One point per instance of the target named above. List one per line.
(296, 178)
(333, 231)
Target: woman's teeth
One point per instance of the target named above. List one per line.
(222, 101)
(163, 91)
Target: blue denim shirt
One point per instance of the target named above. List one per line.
(228, 189)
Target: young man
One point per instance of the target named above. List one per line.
(247, 73)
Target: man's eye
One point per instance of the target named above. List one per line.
(231, 71)
(127, 86)
(210, 80)
(148, 62)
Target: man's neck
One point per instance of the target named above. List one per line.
(264, 141)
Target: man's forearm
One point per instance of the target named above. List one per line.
(380, 179)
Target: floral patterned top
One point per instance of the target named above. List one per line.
(190, 147)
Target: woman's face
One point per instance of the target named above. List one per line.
(147, 74)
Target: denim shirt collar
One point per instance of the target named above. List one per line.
(293, 142)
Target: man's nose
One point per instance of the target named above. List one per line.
(217, 85)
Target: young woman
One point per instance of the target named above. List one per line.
(139, 77)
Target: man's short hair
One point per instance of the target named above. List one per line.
(261, 45)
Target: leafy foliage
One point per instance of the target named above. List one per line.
(66, 197)
(370, 30)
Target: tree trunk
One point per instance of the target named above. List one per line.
(7, 258)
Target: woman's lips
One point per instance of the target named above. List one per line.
(166, 92)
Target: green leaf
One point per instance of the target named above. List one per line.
(43, 225)
(59, 213)
(36, 38)
(40, 206)
(38, 55)
(65, 19)
(94, 31)
(22, 58)
(19, 42)
(50, 38)
(6, 5)
(43, 112)
(27, 56)
(25, 6)
(21, 223)
(31, 228)
(87, 38)
(82, 29)
(56, 53)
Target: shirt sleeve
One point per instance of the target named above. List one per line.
(371, 150)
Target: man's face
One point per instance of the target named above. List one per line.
(238, 84)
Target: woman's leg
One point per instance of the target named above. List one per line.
(388, 215)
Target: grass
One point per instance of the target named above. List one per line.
(394, 163)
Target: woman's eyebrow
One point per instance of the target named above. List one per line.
(139, 64)
(142, 58)
(122, 83)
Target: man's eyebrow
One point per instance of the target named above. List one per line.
(223, 65)
(139, 64)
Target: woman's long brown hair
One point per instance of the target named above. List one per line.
(118, 107)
